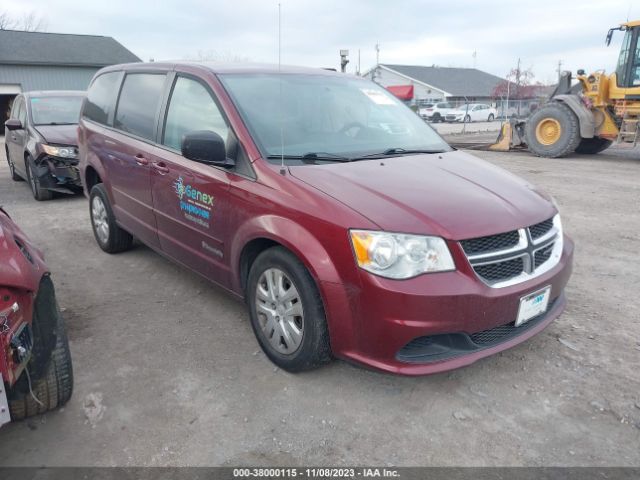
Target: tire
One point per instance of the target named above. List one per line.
(39, 193)
(563, 137)
(491, 118)
(12, 168)
(467, 119)
(593, 145)
(313, 349)
(436, 118)
(54, 389)
(110, 237)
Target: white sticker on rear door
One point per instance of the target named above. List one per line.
(377, 96)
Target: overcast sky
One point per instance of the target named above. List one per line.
(445, 33)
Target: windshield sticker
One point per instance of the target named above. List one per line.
(377, 97)
(194, 204)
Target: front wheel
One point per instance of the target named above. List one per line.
(39, 193)
(491, 117)
(553, 131)
(286, 310)
(467, 119)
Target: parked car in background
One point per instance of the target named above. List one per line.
(40, 141)
(365, 237)
(35, 364)
(472, 112)
(436, 112)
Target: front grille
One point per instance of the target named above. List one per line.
(501, 241)
(540, 229)
(500, 271)
(543, 255)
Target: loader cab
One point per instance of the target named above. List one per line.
(628, 67)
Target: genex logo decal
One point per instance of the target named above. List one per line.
(195, 205)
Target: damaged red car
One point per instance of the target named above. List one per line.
(36, 374)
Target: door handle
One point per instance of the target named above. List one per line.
(160, 167)
(140, 160)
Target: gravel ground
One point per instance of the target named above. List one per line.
(168, 371)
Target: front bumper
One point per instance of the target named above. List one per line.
(58, 174)
(390, 316)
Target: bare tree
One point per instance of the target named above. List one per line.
(29, 22)
(217, 56)
(518, 85)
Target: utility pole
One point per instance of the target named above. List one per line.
(359, 62)
(344, 60)
(559, 68)
(475, 56)
(377, 54)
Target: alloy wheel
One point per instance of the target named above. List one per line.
(100, 219)
(280, 311)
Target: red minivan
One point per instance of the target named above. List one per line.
(347, 224)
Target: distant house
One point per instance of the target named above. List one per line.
(53, 61)
(417, 84)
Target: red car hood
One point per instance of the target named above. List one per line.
(454, 194)
(59, 134)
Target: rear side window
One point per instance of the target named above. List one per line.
(139, 104)
(101, 97)
(191, 108)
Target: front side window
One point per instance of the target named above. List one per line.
(101, 97)
(296, 114)
(191, 108)
(64, 110)
(139, 104)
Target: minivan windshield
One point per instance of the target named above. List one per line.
(326, 116)
(63, 110)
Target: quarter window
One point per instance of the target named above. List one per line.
(139, 104)
(22, 113)
(191, 108)
(101, 98)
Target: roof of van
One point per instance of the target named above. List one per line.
(216, 67)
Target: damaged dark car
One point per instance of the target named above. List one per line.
(40, 141)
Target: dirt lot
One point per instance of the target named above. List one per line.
(168, 371)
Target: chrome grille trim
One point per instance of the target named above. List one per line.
(526, 249)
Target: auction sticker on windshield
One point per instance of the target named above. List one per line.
(533, 305)
(377, 97)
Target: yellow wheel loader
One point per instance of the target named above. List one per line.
(589, 116)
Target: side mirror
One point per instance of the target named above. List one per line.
(13, 124)
(205, 146)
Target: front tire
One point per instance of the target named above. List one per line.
(553, 131)
(593, 145)
(491, 118)
(39, 193)
(287, 313)
(110, 237)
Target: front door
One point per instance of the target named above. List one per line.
(190, 199)
(129, 154)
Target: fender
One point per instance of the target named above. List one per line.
(292, 236)
(585, 117)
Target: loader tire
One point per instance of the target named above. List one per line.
(593, 145)
(553, 131)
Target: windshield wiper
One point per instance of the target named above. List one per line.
(389, 152)
(53, 124)
(312, 156)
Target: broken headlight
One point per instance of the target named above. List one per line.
(63, 152)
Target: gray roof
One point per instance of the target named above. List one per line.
(38, 48)
(457, 82)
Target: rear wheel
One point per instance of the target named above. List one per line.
(39, 193)
(593, 145)
(467, 119)
(110, 237)
(491, 117)
(287, 313)
(553, 131)
(12, 168)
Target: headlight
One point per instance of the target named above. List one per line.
(64, 152)
(397, 255)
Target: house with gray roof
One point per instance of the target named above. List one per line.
(437, 83)
(53, 61)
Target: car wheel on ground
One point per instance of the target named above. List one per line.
(110, 237)
(553, 131)
(491, 117)
(39, 193)
(12, 168)
(287, 313)
(593, 145)
(467, 119)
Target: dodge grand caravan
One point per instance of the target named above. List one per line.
(347, 224)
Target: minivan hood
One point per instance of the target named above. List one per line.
(453, 194)
(59, 134)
